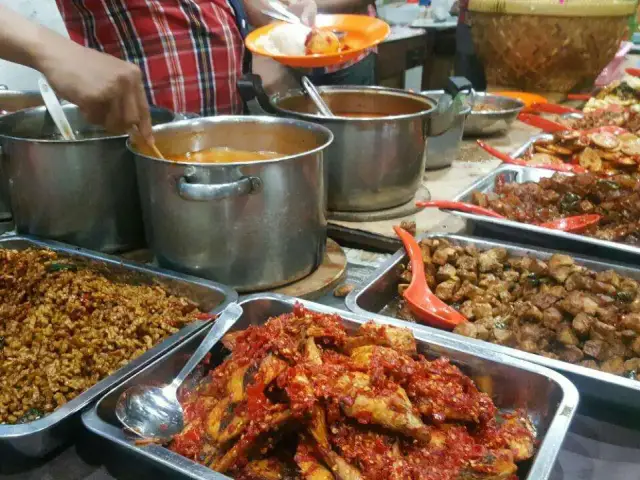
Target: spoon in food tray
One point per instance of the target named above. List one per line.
(154, 412)
(560, 167)
(573, 224)
(421, 300)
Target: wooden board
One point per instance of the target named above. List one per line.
(328, 275)
(472, 162)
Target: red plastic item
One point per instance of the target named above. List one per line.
(459, 206)
(422, 302)
(579, 96)
(575, 224)
(545, 124)
(564, 167)
(634, 72)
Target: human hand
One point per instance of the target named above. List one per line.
(108, 91)
(305, 9)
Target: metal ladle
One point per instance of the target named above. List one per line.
(155, 412)
(315, 96)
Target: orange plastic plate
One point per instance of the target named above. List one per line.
(361, 33)
(527, 98)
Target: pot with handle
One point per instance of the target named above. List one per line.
(83, 192)
(379, 154)
(250, 225)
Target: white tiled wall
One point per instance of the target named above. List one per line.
(45, 12)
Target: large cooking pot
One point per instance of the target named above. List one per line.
(378, 157)
(251, 225)
(13, 101)
(80, 192)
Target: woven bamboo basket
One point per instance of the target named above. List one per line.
(547, 45)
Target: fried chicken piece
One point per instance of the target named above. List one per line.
(399, 339)
(309, 465)
(267, 469)
(389, 407)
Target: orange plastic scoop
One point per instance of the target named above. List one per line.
(544, 124)
(422, 302)
(560, 167)
(552, 108)
(574, 224)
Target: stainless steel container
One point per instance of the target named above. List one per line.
(376, 161)
(443, 149)
(253, 225)
(550, 399)
(483, 123)
(80, 192)
(39, 437)
(15, 100)
(381, 289)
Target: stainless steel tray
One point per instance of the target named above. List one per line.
(41, 436)
(531, 234)
(550, 398)
(381, 290)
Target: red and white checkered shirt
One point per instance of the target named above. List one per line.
(190, 51)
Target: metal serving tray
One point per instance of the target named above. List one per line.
(381, 289)
(550, 398)
(41, 436)
(531, 234)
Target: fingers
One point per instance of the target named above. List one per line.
(144, 122)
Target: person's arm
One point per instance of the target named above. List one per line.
(107, 90)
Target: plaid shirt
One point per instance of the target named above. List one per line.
(190, 51)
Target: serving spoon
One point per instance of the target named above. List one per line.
(155, 412)
(55, 110)
(563, 167)
(573, 224)
(421, 300)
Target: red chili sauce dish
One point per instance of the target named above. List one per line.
(300, 397)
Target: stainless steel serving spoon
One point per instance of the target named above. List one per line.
(155, 412)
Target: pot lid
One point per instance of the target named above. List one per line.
(561, 8)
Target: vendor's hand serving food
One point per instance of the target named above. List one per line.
(108, 91)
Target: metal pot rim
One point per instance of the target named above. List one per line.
(518, 105)
(8, 118)
(279, 97)
(239, 119)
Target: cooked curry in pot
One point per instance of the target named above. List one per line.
(223, 155)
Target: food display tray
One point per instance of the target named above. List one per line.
(532, 234)
(39, 437)
(381, 289)
(550, 399)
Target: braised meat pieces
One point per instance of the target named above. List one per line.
(301, 398)
(616, 198)
(552, 308)
(63, 329)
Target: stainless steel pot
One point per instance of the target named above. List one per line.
(83, 192)
(13, 101)
(375, 162)
(443, 149)
(253, 225)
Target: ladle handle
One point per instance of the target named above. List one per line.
(224, 321)
(311, 90)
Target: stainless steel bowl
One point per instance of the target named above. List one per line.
(443, 149)
(480, 124)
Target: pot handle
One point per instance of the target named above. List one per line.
(449, 105)
(199, 192)
(250, 87)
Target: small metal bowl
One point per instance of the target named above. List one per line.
(481, 124)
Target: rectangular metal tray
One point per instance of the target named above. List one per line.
(531, 234)
(41, 436)
(382, 288)
(549, 397)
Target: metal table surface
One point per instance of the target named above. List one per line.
(603, 442)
